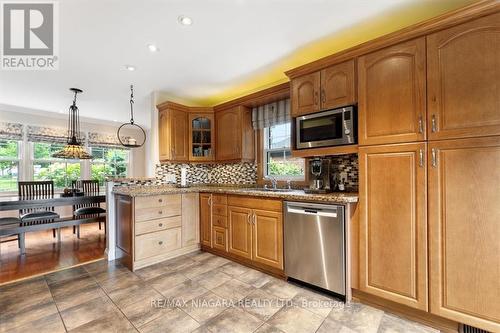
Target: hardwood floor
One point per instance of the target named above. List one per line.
(43, 254)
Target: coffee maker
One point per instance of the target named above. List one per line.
(319, 176)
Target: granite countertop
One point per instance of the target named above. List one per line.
(146, 190)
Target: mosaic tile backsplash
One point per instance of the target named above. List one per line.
(238, 174)
(345, 167)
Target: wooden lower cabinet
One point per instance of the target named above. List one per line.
(245, 228)
(464, 231)
(393, 223)
(206, 219)
(268, 238)
(240, 231)
(155, 228)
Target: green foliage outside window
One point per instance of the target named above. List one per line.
(284, 169)
(9, 165)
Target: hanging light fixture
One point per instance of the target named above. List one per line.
(127, 140)
(74, 147)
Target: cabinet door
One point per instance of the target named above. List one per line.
(228, 131)
(190, 219)
(179, 135)
(464, 231)
(268, 238)
(201, 137)
(240, 231)
(463, 78)
(305, 94)
(393, 223)
(337, 86)
(163, 138)
(206, 219)
(392, 94)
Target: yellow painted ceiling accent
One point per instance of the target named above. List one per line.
(394, 20)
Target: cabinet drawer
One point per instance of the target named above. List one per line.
(219, 199)
(218, 209)
(254, 203)
(220, 238)
(158, 201)
(220, 221)
(156, 243)
(145, 214)
(157, 225)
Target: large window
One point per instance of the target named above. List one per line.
(9, 165)
(108, 162)
(278, 160)
(45, 167)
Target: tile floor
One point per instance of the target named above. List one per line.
(198, 292)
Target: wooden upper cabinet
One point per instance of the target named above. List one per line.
(338, 85)
(306, 94)
(201, 137)
(268, 238)
(464, 80)
(464, 231)
(173, 134)
(240, 231)
(393, 223)
(392, 94)
(206, 219)
(235, 135)
(163, 137)
(179, 136)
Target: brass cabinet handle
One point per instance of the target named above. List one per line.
(316, 98)
(323, 96)
(421, 158)
(160, 242)
(434, 157)
(160, 200)
(160, 212)
(160, 225)
(254, 218)
(210, 200)
(433, 124)
(248, 218)
(420, 125)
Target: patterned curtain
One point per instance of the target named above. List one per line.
(11, 131)
(271, 114)
(105, 140)
(49, 134)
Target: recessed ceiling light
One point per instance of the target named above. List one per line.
(153, 48)
(130, 68)
(184, 20)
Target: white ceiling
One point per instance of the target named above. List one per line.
(228, 41)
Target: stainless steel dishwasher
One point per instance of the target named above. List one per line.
(315, 245)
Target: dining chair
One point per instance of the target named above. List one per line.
(37, 190)
(12, 222)
(88, 210)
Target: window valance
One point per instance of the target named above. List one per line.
(104, 140)
(271, 114)
(11, 131)
(49, 134)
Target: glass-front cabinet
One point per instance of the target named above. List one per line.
(201, 138)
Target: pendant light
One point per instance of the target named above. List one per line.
(74, 146)
(127, 140)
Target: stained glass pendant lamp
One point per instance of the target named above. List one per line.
(127, 140)
(74, 148)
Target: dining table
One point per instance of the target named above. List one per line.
(15, 203)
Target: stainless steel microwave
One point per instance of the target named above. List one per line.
(328, 128)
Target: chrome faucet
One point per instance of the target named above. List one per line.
(289, 184)
(274, 183)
